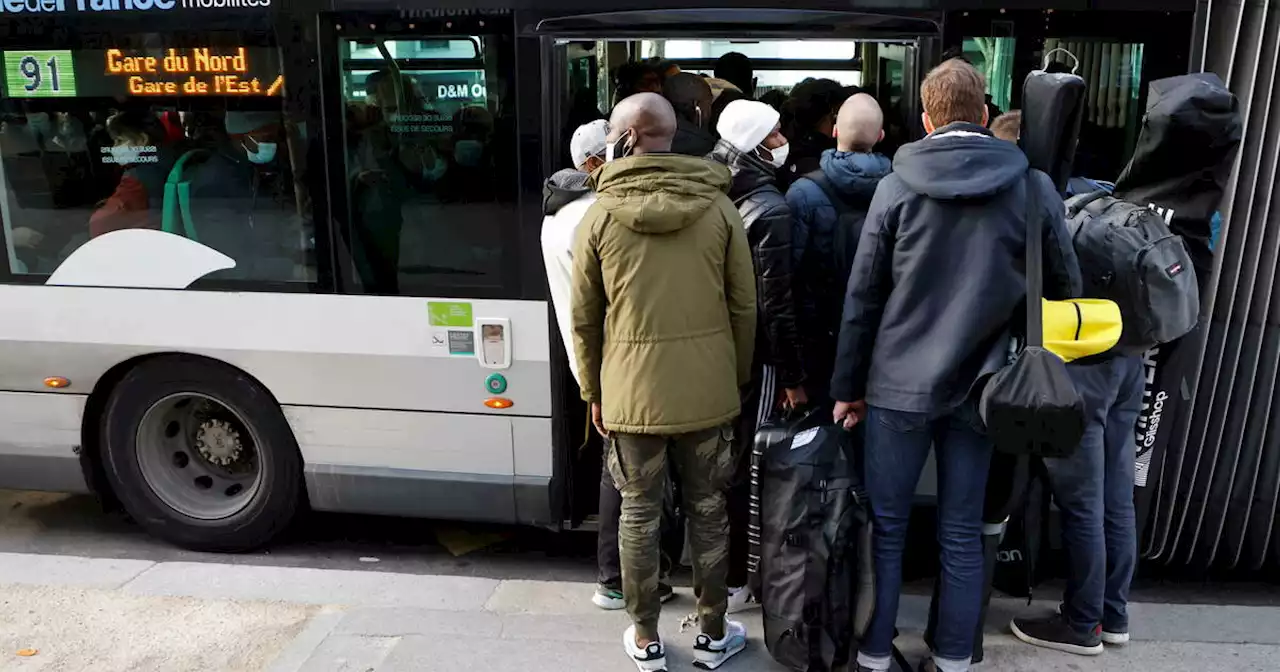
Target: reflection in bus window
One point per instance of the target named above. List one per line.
(993, 57)
(428, 159)
(180, 132)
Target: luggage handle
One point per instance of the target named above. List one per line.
(1048, 58)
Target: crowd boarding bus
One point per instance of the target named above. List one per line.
(267, 254)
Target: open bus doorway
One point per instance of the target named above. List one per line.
(582, 80)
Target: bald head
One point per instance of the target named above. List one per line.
(859, 124)
(648, 119)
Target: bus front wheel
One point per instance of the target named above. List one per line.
(201, 455)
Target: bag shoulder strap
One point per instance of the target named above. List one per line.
(840, 234)
(177, 197)
(837, 200)
(1034, 265)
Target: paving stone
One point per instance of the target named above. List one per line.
(294, 656)
(399, 621)
(542, 597)
(66, 570)
(351, 653)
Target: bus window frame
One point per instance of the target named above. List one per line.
(336, 27)
(282, 32)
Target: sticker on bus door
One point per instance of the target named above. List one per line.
(452, 333)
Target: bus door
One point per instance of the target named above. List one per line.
(423, 145)
(879, 53)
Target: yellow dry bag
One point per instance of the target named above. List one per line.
(1081, 327)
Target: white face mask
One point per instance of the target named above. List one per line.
(266, 152)
(618, 149)
(779, 155)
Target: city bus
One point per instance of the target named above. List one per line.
(263, 255)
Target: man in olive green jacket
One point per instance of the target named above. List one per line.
(664, 310)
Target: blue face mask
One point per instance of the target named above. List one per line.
(468, 153)
(266, 152)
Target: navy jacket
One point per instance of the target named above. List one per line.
(939, 274)
(820, 281)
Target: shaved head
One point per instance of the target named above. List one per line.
(859, 124)
(649, 118)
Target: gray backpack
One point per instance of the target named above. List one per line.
(1128, 255)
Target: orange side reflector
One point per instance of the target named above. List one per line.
(498, 402)
(56, 382)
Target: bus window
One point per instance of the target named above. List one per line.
(1113, 111)
(993, 57)
(430, 147)
(806, 80)
(769, 57)
(181, 132)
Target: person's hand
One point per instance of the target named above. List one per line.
(849, 413)
(795, 398)
(597, 419)
(28, 238)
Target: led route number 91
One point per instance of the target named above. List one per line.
(39, 74)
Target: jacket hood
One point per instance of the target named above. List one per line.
(749, 171)
(659, 193)
(855, 174)
(563, 188)
(960, 161)
(692, 139)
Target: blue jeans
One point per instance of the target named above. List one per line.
(897, 445)
(1094, 490)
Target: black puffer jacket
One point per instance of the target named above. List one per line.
(769, 228)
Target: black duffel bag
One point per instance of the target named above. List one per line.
(1031, 407)
(816, 577)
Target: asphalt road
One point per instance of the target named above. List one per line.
(57, 524)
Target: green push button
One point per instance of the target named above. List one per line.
(495, 383)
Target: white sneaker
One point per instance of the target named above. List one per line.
(652, 658)
(740, 600)
(1115, 638)
(609, 599)
(710, 653)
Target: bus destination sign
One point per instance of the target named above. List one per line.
(190, 72)
(236, 71)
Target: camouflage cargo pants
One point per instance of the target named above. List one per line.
(704, 464)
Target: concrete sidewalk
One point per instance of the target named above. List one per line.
(84, 614)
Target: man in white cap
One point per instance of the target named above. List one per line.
(565, 200)
(753, 148)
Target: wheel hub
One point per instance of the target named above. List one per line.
(219, 442)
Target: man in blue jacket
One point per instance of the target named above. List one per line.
(937, 279)
(830, 206)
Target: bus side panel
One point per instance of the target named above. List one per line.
(39, 447)
(379, 389)
(436, 465)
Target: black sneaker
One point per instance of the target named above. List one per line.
(1119, 637)
(1055, 633)
(666, 593)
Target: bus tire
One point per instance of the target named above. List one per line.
(201, 455)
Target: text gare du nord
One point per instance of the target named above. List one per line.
(208, 73)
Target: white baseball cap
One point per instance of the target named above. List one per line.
(745, 124)
(588, 141)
